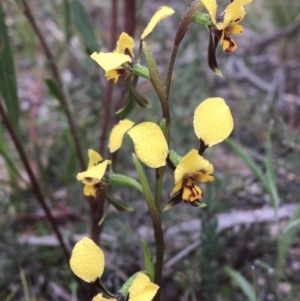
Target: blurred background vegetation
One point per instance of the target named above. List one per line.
(246, 239)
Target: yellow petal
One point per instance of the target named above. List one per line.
(190, 164)
(142, 289)
(87, 260)
(99, 297)
(244, 2)
(191, 192)
(111, 60)
(117, 134)
(177, 187)
(112, 74)
(228, 44)
(211, 7)
(234, 12)
(160, 14)
(89, 190)
(94, 174)
(125, 44)
(150, 144)
(234, 29)
(213, 121)
(94, 158)
(203, 177)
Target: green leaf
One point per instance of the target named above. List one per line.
(24, 285)
(270, 173)
(67, 20)
(54, 89)
(143, 179)
(8, 85)
(125, 287)
(155, 77)
(286, 239)
(242, 282)
(149, 266)
(251, 164)
(139, 99)
(83, 25)
(4, 151)
(129, 103)
(116, 203)
(146, 190)
(118, 179)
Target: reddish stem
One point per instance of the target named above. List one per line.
(56, 75)
(129, 16)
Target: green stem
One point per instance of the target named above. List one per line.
(158, 188)
(156, 222)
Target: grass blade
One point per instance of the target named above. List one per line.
(242, 282)
(8, 84)
(149, 266)
(251, 164)
(286, 239)
(270, 173)
(84, 26)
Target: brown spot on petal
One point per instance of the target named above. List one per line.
(88, 179)
(231, 46)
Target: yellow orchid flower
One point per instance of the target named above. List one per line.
(192, 168)
(87, 260)
(112, 62)
(117, 134)
(213, 121)
(141, 289)
(150, 144)
(226, 23)
(92, 177)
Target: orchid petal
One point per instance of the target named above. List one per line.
(117, 134)
(94, 158)
(190, 164)
(213, 121)
(211, 7)
(150, 144)
(125, 44)
(160, 14)
(110, 60)
(142, 289)
(94, 174)
(87, 260)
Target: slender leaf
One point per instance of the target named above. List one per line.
(242, 282)
(124, 180)
(265, 266)
(286, 239)
(155, 77)
(67, 19)
(54, 90)
(24, 284)
(270, 173)
(149, 266)
(139, 99)
(4, 151)
(84, 26)
(251, 164)
(116, 203)
(12, 294)
(143, 179)
(8, 85)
